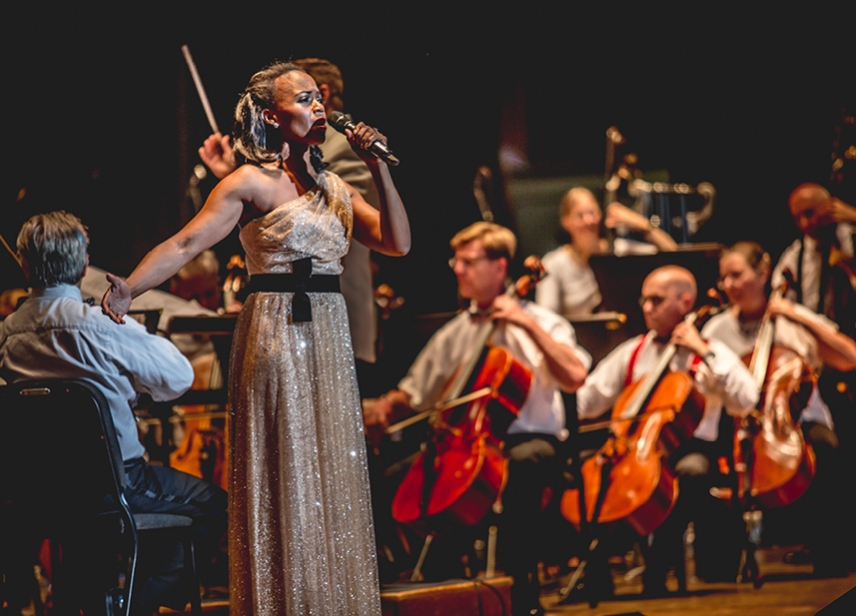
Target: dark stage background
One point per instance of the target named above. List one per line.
(101, 117)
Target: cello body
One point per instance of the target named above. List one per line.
(459, 476)
(461, 471)
(629, 478)
(774, 464)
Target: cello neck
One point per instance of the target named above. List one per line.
(519, 289)
(764, 345)
(485, 332)
(652, 379)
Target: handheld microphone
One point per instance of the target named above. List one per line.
(341, 121)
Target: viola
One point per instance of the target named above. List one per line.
(459, 475)
(773, 463)
(629, 479)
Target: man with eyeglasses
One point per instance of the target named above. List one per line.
(543, 342)
(668, 296)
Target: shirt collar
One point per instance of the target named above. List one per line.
(61, 290)
(652, 337)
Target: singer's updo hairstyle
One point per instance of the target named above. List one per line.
(255, 141)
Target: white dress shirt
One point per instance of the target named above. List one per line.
(741, 336)
(811, 264)
(723, 380)
(543, 411)
(569, 288)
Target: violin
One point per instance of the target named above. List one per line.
(628, 479)
(460, 473)
(773, 462)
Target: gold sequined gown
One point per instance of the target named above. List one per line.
(300, 526)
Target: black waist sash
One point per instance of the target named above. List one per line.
(300, 282)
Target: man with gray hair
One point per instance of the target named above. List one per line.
(55, 334)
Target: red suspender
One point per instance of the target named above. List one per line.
(628, 379)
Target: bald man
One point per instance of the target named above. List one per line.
(668, 295)
(827, 224)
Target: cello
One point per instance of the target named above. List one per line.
(628, 478)
(461, 471)
(773, 462)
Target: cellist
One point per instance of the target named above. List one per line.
(744, 275)
(543, 342)
(668, 295)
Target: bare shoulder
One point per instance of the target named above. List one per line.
(247, 180)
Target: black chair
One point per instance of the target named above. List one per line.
(62, 478)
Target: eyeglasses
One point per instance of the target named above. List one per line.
(466, 261)
(655, 300)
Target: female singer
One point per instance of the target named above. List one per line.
(744, 274)
(301, 538)
(571, 289)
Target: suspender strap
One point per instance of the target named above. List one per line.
(800, 256)
(628, 379)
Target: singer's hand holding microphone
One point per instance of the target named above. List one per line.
(365, 137)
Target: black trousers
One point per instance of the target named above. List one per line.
(89, 554)
(819, 510)
(158, 489)
(534, 463)
(719, 528)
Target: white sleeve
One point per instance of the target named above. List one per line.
(605, 383)
(725, 374)
(430, 372)
(153, 364)
(548, 294)
(563, 332)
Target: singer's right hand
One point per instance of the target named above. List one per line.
(361, 138)
(117, 300)
(217, 154)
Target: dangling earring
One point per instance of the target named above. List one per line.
(275, 124)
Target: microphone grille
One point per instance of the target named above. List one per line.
(338, 119)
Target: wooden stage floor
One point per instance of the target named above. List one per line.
(787, 590)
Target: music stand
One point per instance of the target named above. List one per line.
(219, 328)
(620, 278)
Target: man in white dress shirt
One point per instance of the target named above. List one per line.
(543, 342)
(827, 224)
(668, 295)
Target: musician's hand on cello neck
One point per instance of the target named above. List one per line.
(686, 335)
(507, 309)
(563, 363)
